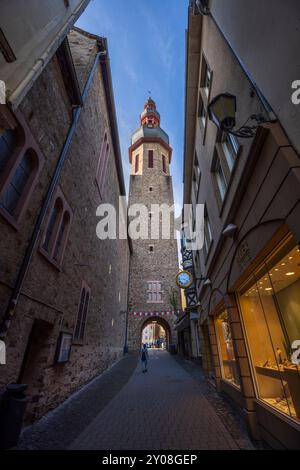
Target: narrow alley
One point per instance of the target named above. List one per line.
(167, 408)
(149, 229)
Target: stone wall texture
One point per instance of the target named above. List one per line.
(50, 297)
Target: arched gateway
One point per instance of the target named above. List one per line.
(154, 260)
(138, 321)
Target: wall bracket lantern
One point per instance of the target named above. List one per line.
(222, 112)
(200, 7)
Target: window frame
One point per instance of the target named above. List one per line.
(85, 311)
(103, 163)
(66, 209)
(204, 94)
(136, 164)
(202, 113)
(25, 143)
(155, 291)
(151, 152)
(234, 143)
(228, 171)
(207, 246)
(164, 164)
(196, 178)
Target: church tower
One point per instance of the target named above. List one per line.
(154, 262)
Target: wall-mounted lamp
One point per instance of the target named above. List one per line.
(200, 7)
(222, 112)
(230, 230)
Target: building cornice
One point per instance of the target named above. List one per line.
(150, 140)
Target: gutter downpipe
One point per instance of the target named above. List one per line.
(9, 313)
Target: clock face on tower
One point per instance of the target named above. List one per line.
(184, 279)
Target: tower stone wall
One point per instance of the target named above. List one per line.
(152, 259)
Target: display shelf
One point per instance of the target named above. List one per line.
(268, 371)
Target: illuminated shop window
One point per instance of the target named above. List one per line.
(226, 351)
(270, 305)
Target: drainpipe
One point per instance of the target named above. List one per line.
(9, 313)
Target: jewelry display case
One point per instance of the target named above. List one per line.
(226, 351)
(270, 308)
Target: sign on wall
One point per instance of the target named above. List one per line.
(63, 347)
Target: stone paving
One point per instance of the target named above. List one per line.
(224, 408)
(162, 409)
(58, 428)
(169, 407)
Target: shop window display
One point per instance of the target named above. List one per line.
(270, 306)
(226, 351)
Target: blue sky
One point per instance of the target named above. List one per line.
(146, 41)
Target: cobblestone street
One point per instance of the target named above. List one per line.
(167, 408)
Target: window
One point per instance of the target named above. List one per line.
(164, 164)
(196, 178)
(102, 164)
(20, 164)
(220, 176)
(202, 114)
(53, 224)
(204, 94)
(57, 230)
(207, 235)
(82, 313)
(230, 147)
(19, 184)
(6, 49)
(205, 82)
(226, 151)
(226, 351)
(150, 159)
(270, 303)
(62, 231)
(154, 291)
(136, 169)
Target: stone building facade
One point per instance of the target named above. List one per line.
(248, 269)
(154, 261)
(68, 322)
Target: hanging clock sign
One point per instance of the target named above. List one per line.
(184, 279)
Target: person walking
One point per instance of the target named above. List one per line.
(144, 358)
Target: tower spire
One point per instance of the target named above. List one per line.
(150, 117)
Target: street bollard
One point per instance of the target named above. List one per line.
(12, 409)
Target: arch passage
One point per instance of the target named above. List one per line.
(159, 322)
(136, 325)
